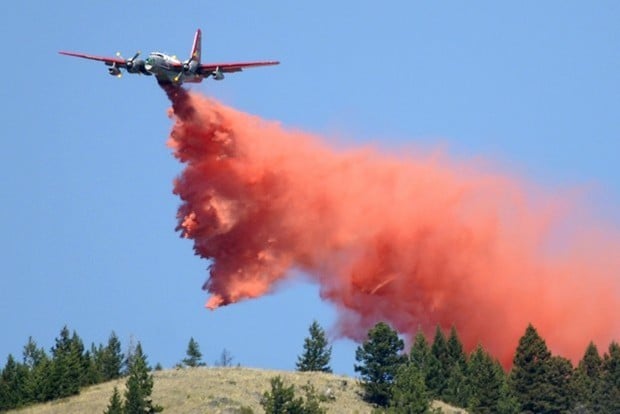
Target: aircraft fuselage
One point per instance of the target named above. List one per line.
(163, 67)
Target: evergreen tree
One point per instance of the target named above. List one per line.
(139, 386)
(281, 400)
(586, 380)
(456, 392)
(438, 366)
(115, 406)
(609, 394)
(111, 359)
(380, 357)
(38, 364)
(454, 348)
(39, 387)
(409, 393)
(457, 387)
(67, 365)
(13, 384)
(94, 374)
(32, 354)
(420, 353)
(316, 353)
(538, 380)
(559, 373)
(486, 383)
(194, 356)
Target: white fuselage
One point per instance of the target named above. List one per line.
(167, 68)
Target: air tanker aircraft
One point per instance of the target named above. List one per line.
(170, 70)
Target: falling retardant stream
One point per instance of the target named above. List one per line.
(414, 240)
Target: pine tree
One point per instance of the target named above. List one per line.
(94, 374)
(420, 353)
(438, 366)
(586, 381)
(609, 394)
(38, 365)
(317, 354)
(409, 393)
(559, 373)
(116, 405)
(67, 365)
(281, 399)
(194, 356)
(486, 382)
(538, 380)
(456, 392)
(457, 387)
(13, 384)
(111, 359)
(380, 357)
(139, 386)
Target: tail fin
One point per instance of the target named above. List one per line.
(195, 55)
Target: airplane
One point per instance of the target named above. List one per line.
(169, 69)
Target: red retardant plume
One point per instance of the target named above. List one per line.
(413, 240)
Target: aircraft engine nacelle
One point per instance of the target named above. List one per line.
(217, 74)
(191, 66)
(114, 71)
(136, 66)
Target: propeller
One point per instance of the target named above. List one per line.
(132, 64)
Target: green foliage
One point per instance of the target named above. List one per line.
(420, 353)
(586, 382)
(111, 359)
(68, 363)
(457, 387)
(312, 403)
(538, 380)
(317, 354)
(13, 382)
(139, 385)
(409, 393)
(115, 406)
(194, 356)
(529, 371)
(380, 357)
(609, 394)
(456, 391)
(38, 387)
(438, 366)
(488, 390)
(281, 400)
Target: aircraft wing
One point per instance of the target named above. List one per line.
(234, 67)
(121, 63)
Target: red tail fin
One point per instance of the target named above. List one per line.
(195, 54)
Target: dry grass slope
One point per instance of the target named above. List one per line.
(218, 390)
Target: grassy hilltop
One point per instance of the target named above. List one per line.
(218, 390)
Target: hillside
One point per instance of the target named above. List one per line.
(217, 390)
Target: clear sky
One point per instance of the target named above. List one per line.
(87, 213)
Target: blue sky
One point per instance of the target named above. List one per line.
(87, 212)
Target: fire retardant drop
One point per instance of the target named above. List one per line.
(416, 240)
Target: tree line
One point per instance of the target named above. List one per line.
(41, 377)
(392, 380)
(538, 382)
